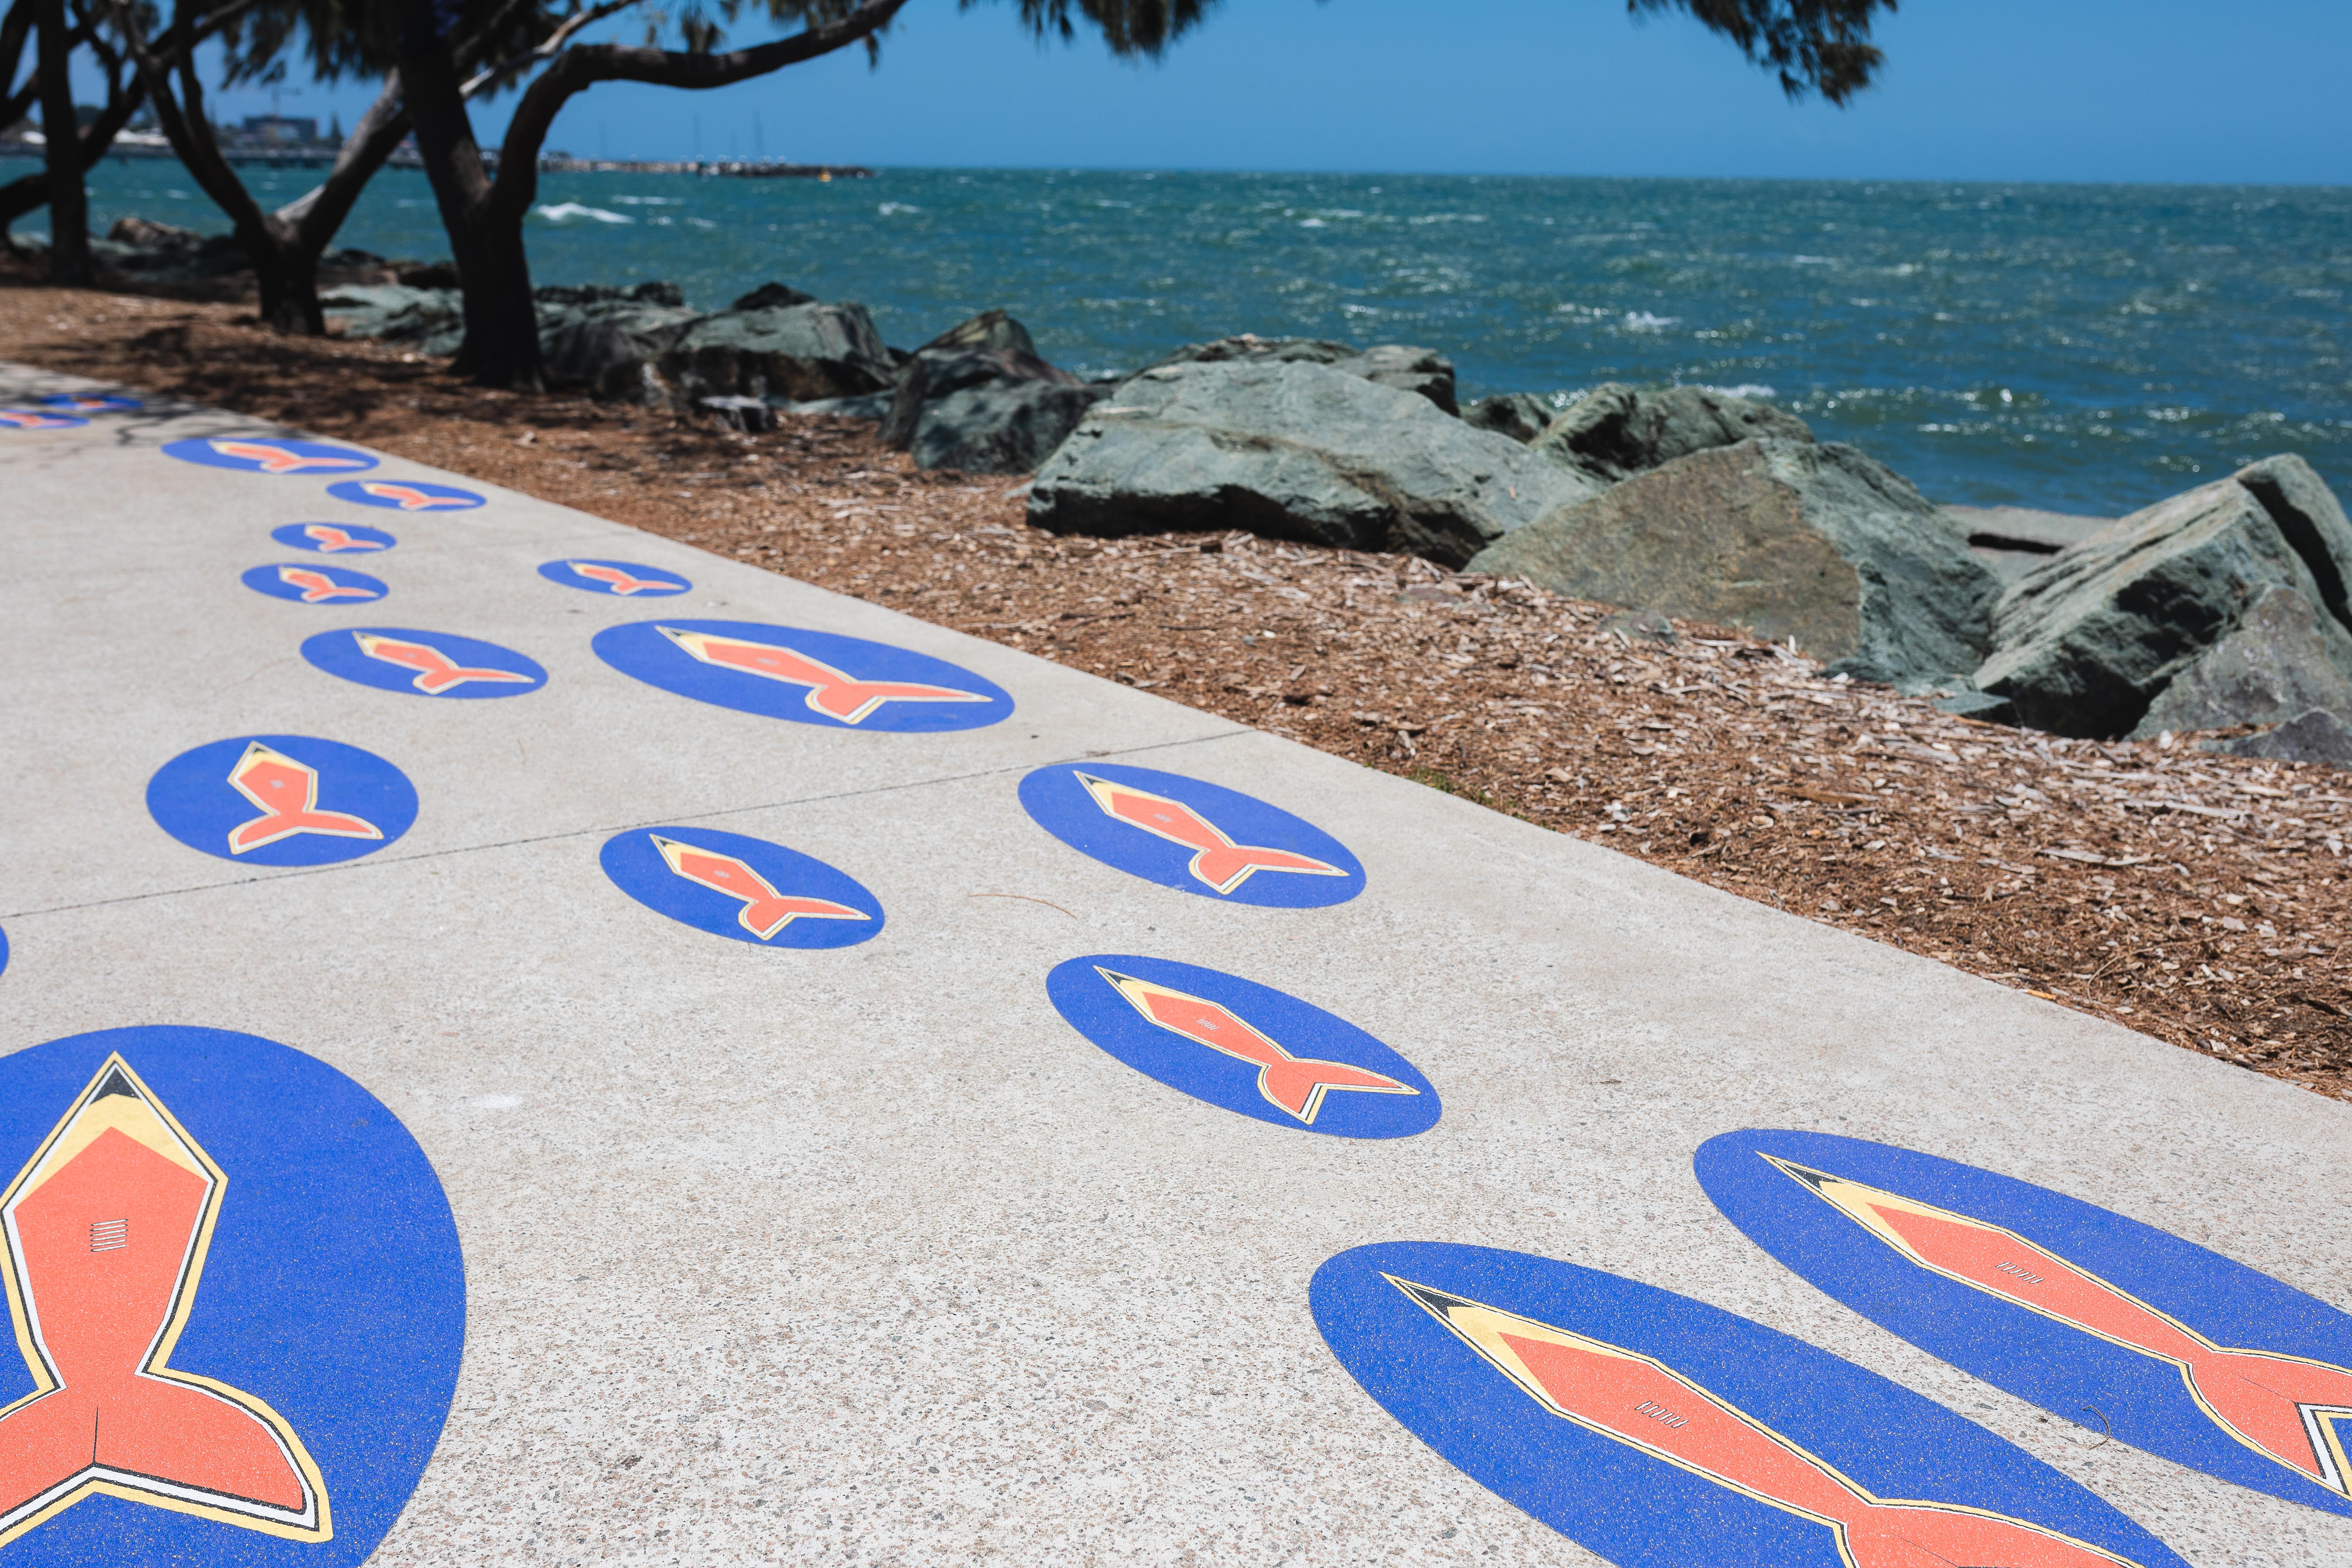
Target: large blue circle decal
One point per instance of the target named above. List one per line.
(333, 538)
(621, 579)
(315, 585)
(405, 495)
(281, 800)
(237, 1300)
(1190, 835)
(424, 663)
(1661, 1432)
(269, 455)
(744, 889)
(2107, 1322)
(1244, 1047)
(810, 677)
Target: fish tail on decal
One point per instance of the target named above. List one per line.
(1914, 1535)
(2299, 1412)
(1227, 867)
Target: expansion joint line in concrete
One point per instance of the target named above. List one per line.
(606, 830)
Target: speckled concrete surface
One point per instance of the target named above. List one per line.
(864, 1254)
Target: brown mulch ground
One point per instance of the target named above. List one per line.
(2204, 900)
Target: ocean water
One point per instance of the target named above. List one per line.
(2082, 348)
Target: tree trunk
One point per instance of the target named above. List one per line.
(502, 347)
(69, 200)
(286, 272)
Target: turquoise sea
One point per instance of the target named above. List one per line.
(2083, 348)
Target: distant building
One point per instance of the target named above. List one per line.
(279, 130)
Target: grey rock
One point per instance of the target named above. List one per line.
(1784, 539)
(1647, 625)
(1293, 449)
(772, 295)
(2013, 540)
(865, 406)
(146, 233)
(1616, 431)
(2277, 662)
(1425, 371)
(2317, 736)
(2086, 642)
(1521, 415)
(604, 339)
(1978, 705)
(429, 321)
(988, 329)
(749, 415)
(800, 352)
(599, 296)
(985, 410)
(162, 253)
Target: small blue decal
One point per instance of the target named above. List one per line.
(810, 677)
(405, 495)
(744, 889)
(1190, 835)
(238, 1299)
(281, 800)
(92, 402)
(1244, 1047)
(269, 455)
(1660, 1432)
(333, 538)
(37, 419)
(424, 663)
(2107, 1322)
(622, 579)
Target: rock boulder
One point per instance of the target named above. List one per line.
(2279, 661)
(602, 339)
(429, 321)
(2317, 736)
(1425, 371)
(800, 352)
(978, 398)
(2083, 644)
(1521, 415)
(1784, 538)
(1293, 449)
(1616, 431)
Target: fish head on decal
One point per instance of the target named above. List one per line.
(333, 538)
(744, 889)
(38, 419)
(1652, 1428)
(177, 1358)
(1243, 1047)
(406, 495)
(281, 800)
(2103, 1321)
(92, 402)
(807, 677)
(1191, 835)
(619, 579)
(424, 663)
(269, 455)
(307, 583)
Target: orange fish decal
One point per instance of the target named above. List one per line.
(618, 582)
(436, 672)
(107, 1229)
(272, 459)
(408, 497)
(1646, 1404)
(330, 538)
(288, 794)
(1217, 860)
(318, 588)
(831, 692)
(1295, 1085)
(765, 911)
(2287, 1408)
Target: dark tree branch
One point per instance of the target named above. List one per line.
(1814, 46)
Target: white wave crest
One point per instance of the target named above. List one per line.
(1747, 389)
(564, 211)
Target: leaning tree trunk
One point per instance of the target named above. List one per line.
(69, 200)
(501, 346)
(287, 273)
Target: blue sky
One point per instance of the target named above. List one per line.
(2159, 90)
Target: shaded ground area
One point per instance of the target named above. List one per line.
(2201, 899)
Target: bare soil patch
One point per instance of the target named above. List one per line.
(2203, 899)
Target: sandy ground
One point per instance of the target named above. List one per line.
(2200, 899)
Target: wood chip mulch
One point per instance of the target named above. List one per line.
(2203, 899)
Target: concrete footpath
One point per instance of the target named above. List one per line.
(893, 1096)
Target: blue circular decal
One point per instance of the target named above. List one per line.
(269, 455)
(811, 678)
(747, 889)
(1242, 1045)
(1655, 1430)
(1192, 835)
(2067, 1305)
(281, 800)
(424, 663)
(238, 1300)
(37, 419)
(92, 402)
(307, 585)
(622, 579)
(405, 495)
(333, 538)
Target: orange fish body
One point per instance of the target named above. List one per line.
(1295, 1085)
(330, 538)
(436, 672)
(616, 580)
(765, 911)
(107, 1230)
(288, 794)
(272, 459)
(318, 588)
(831, 692)
(1217, 860)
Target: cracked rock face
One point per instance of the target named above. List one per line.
(1294, 449)
(2279, 662)
(1616, 431)
(1784, 539)
(2084, 644)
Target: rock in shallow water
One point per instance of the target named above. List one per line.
(1293, 449)
(2084, 643)
(1785, 538)
(1616, 431)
